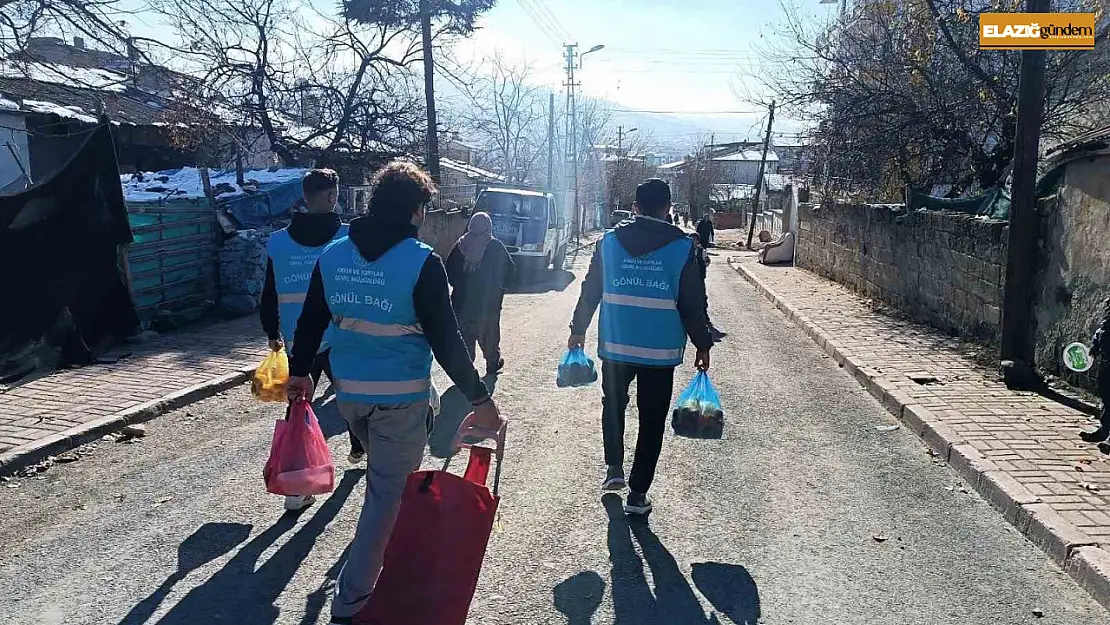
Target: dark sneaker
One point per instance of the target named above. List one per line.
(494, 368)
(637, 503)
(1097, 436)
(614, 479)
(356, 457)
(342, 620)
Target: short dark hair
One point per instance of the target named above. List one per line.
(319, 180)
(400, 189)
(653, 196)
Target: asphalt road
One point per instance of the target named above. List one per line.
(804, 513)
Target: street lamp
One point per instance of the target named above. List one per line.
(573, 131)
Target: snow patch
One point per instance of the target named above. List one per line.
(82, 77)
(67, 112)
(185, 183)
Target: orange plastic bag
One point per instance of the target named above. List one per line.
(268, 383)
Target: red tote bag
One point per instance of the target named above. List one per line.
(436, 550)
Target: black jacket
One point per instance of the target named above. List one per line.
(430, 298)
(1100, 349)
(641, 236)
(475, 295)
(308, 229)
(705, 231)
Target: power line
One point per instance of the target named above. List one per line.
(688, 112)
(539, 22)
(545, 10)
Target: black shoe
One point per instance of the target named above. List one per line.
(1097, 436)
(494, 369)
(637, 504)
(614, 479)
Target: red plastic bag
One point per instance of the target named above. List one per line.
(300, 462)
(436, 550)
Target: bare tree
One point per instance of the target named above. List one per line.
(506, 114)
(264, 62)
(899, 93)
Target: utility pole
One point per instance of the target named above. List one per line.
(551, 142)
(572, 133)
(429, 89)
(617, 171)
(759, 179)
(1018, 331)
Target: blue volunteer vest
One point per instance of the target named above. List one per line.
(640, 323)
(378, 351)
(293, 265)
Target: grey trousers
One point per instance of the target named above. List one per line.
(394, 438)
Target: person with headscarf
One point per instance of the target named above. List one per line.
(479, 268)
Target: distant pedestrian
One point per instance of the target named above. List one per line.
(702, 257)
(388, 295)
(479, 268)
(670, 218)
(1100, 350)
(293, 252)
(686, 219)
(705, 230)
(645, 277)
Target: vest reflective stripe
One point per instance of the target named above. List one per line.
(642, 352)
(638, 302)
(370, 328)
(639, 321)
(378, 352)
(293, 265)
(397, 387)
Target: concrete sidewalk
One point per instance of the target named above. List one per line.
(1020, 451)
(62, 410)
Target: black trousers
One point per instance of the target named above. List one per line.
(654, 386)
(320, 366)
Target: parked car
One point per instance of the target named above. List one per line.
(618, 216)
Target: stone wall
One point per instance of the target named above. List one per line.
(1075, 274)
(442, 228)
(943, 269)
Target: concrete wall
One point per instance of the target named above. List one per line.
(1075, 251)
(442, 228)
(945, 270)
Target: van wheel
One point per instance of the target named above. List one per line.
(560, 259)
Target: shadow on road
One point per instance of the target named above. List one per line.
(542, 283)
(728, 587)
(242, 592)
(579, 597)
(209, 542)
(453, 408)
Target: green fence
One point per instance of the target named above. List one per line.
(173, 261)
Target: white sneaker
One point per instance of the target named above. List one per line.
(298, 502)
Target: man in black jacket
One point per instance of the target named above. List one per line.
(387, 294)
(705, 231)
(291, 254)
(1100, 350)
(645, 275)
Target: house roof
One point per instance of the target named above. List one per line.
(673, 165)
(748, 155)
(469, 171)
(130, 106)
(1093, 142)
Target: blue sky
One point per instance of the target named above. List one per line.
(667, 55)
(686, 56)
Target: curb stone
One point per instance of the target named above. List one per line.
(36, 451)
(1071, 548)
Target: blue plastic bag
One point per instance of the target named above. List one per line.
(697, 413)
(576, 369)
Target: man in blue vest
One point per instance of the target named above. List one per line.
(384, 295)
(293, 253)
(645, 276)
